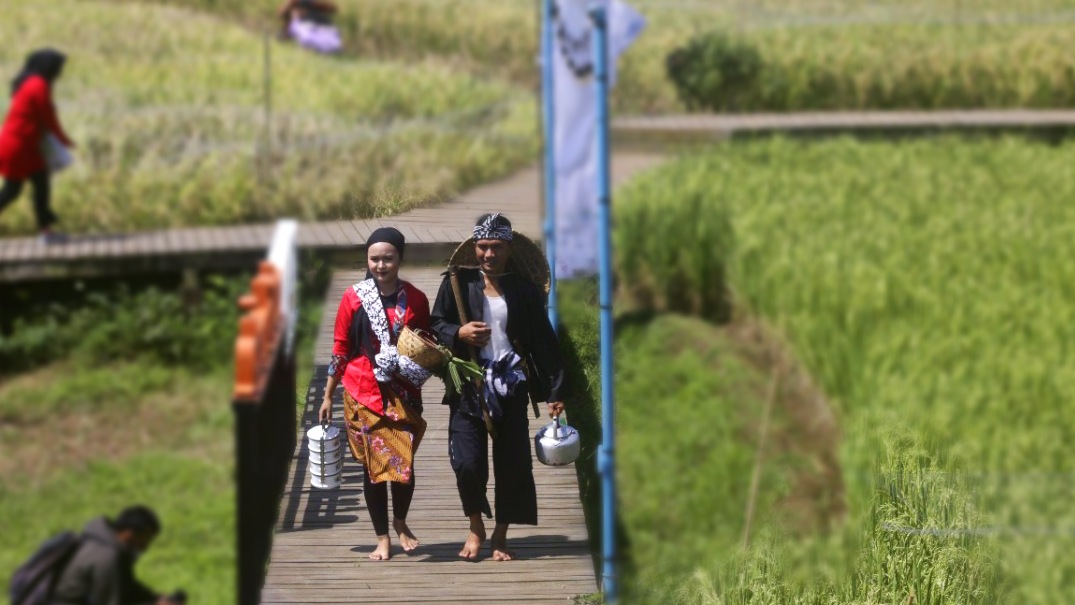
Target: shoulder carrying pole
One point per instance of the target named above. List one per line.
(453, 276)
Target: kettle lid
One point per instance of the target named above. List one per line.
(555, 432)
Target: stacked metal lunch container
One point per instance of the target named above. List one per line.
(326, 456)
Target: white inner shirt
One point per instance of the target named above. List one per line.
(495, 314)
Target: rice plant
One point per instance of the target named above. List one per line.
(658, 252)
(924, 286)
(816, 55)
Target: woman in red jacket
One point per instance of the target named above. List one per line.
(382, 389)
(29, 118)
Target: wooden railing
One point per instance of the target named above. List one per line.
(264, 404)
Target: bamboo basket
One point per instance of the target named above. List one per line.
(420, 347)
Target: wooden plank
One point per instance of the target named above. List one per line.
(306, 238)
(319, 236)
(218, 239)
(170, 242)
(357, 231)
(240, 237)
(31, 250)
(120, 243)
(8, 247)
(339, 236)
(305, 597)
(423, 235)
(485, 587)
(264, 234)
(200, 240)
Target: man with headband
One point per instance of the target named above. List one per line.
(505, 325)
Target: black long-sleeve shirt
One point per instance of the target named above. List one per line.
(529, 330)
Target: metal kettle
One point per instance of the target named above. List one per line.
(556, 444)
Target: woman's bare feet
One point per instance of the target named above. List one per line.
(500, 544)
(383, 552)
(473, 545)
(407, 540)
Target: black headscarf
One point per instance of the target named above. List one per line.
(388, 235)
(45, 62)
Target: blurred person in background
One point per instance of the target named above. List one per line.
(31, 118)
(309, 22)
(102, 569)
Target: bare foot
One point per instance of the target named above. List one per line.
(406, 539)
(501, 552)
(500, 544)
(383, 552)
(473, 545)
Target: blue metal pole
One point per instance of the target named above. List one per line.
(606, 453)
(549, 123)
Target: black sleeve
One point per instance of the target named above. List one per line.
(141, 594)
(544, 346)
(444, 318)
(133, 590)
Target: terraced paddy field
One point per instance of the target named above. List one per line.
(924, 287)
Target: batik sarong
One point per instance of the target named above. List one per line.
(386, 444)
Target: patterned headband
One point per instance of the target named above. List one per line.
(492, 228)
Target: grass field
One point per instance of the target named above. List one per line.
(165, 442)
(124, 397)
(196, 548)
(166, 98)
(923, 286)
(831, 54)
(167, 106)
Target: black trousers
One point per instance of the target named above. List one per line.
(468, 447)
(42, 193)
(377, 500)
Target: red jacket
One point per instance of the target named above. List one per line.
(30, 116)
(358, 376)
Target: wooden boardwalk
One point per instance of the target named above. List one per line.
(649, 130)
(431, 234)
(323, 537)
(26, 258)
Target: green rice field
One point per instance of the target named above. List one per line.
(817, 54)
(174, 126)
(167, 99)
(923, 285)
(830, 54)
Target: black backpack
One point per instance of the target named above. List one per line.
(33, 582)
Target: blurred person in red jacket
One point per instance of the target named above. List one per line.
(30, 117)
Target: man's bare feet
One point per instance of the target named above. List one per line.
(501, 552)
(407, 540)
(383, 552)
(473, 545)
(500, 543)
